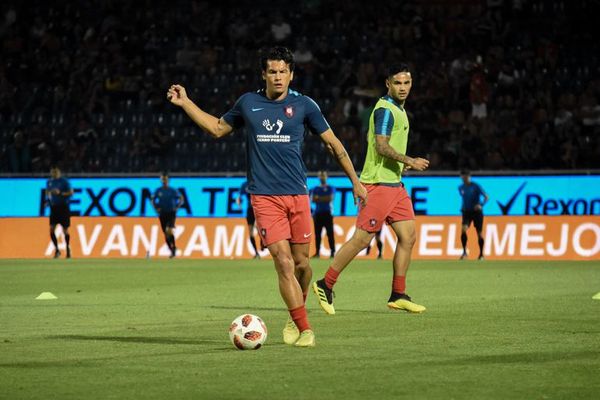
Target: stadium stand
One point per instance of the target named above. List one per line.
(498, 85)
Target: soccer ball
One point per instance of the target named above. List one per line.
(248, 332)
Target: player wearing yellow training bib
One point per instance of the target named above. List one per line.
(388, 200)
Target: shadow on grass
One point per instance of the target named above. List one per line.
(135, 339)
(44, 364)
(518, 358)
(208, 346)
(95, 361)
(282, 308)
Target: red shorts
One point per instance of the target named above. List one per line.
(282, 218)
(384, 204)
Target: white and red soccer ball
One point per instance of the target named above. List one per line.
(248, 332)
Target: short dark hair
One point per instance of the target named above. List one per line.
(277, 53)
(396, 69)
(465, 172)
(164, 173)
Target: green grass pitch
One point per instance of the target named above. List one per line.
(158, 329)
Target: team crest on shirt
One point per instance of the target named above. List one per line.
(372, 222)
(289, 111)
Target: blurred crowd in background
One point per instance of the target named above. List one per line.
(497, 85)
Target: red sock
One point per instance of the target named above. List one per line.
(399, 284)
(300, 318)
(331, 277)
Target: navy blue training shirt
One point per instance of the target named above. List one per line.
(471, 196)
(322, 207)
(274, 135)
(166, 199)
(61, 184)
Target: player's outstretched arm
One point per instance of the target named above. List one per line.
(382, 145)
(336, 148)
(216, 127)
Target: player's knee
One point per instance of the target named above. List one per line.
(302, 265)
(285, 264)
(361, 241)
(408, 240)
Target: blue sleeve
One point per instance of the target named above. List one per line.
(176, 194)
(481, 191)
(314, 120)
(155, 196)
(67, 185)
(384, 121)
(234, 116)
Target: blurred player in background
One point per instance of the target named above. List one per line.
(472, 210)
(322, 196)
(388, 200)
(166, 201)
(379, 244)
(275, 119)
(58, 194)
(250, 219)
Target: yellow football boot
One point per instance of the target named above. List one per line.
(290, 332)
(401, 301)
(306, 339)
(324, 295)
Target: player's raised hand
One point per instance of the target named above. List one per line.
(418, 164)
(177, 95)
(360, 194)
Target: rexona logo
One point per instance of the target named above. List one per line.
(505, 208)
(536, 204)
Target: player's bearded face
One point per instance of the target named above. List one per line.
(277, 77)
(399, 85)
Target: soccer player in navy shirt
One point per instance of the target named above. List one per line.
(58, 194)
(250, 218)
(166, 201)
(322, 196)
(472, 210)
(275, 121)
